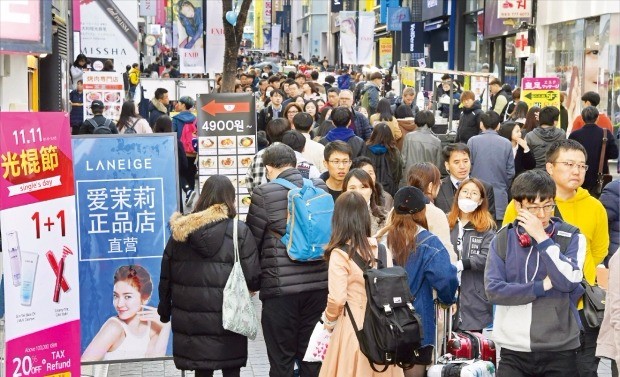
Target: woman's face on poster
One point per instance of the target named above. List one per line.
(187, 10)
(127, 300)
(590, 72)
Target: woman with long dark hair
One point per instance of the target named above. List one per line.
(325, 125)
(531, 120)
(520, 112)
(351, 226)
(384, 114)
(360, 181)
(130, 122)
(196, 265)
(524, 158)
(384, 199)
(79, 66)
(424, 257)
(472, 227)
(385, 157)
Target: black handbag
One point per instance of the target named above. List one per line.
(593, 304)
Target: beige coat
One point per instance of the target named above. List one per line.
(608, 343)
(393, 124)
(346, 284)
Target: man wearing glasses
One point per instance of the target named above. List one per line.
(566, 164)
(338, 157)
(532, 276)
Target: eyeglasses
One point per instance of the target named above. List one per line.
(571, 165)
(549, 208)
(472, 193)
(340, 163)
(292, 112)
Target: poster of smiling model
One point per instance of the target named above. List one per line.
(188, 35)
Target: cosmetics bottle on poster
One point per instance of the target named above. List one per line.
(29, 271)
(15, 257)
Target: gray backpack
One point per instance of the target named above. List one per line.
(101, 129)
(131, 129)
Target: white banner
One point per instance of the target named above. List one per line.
(276, 31)
(514, 8)
(357, 41)
(148, 8)
(348, 37)
(109, 30)
(215, 37)
(366, 36)
(106, 87)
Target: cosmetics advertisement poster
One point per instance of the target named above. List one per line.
(39, 245)
(126, 191)
(188, 37)
(227, 140)
(106, 87)
(109, 29)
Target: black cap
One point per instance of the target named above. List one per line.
(96, 104)
(409, 200)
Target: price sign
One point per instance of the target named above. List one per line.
(39, 245)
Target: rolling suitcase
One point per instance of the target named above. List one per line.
(461, 353)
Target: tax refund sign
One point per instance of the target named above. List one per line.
(39, 245)
(227, 140)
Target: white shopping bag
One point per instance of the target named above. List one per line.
(317, 346)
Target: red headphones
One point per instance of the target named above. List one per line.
(525, 240)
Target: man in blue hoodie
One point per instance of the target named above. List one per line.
(341, 116)
(532, 276)
(183, 106)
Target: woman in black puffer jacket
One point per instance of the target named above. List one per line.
(197, 261)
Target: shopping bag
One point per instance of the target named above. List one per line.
(238, 313)
(318, 344)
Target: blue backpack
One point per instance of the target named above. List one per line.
(309, 222)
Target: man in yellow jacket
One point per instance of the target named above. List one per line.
(566, 164)
(134, 79)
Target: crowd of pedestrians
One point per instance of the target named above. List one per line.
(503, 224)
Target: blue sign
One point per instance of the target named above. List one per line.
(126, 190)
(396, 17)
(385, 4)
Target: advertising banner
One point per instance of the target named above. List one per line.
(366, 38)
(106, 87)
(126, 190)
(39, 245)
(396, 17)
(148, 8)
(514, 8)
(189, 31)
(227, 140)
(385, 4)
(522, 46)
(541, 91)
(26, 26)
(348, 37)
(407, 76)
(215, 37)
(276, 32)
(385, 52)
(109, 30)
(412, 41)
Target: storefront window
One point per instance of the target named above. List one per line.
(476, 51)
(512, 68)
(474, 5)
(565, 49)
(498, 53)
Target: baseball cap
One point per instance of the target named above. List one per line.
(409, 200)
(96, 104)
(188, 101)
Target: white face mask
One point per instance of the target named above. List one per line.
(467, 205)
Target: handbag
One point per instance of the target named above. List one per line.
(593, 304)
(238, 312)
(318, 344)
(601, 179)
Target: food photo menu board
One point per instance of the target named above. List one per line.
(227, 140)
(106, 87)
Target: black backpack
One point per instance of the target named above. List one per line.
(392, 331)
(100, 129)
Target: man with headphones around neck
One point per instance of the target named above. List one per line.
(532, 276)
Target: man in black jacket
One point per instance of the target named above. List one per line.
(458, 165)
(591, 137)
(98, 124)
(294, 294)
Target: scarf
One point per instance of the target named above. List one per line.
(159, 106)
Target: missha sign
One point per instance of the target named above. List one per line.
(26, 26)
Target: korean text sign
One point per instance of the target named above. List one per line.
(227, 139)
(39, 243)
(126, 191)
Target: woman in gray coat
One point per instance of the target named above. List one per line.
(471, 230)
